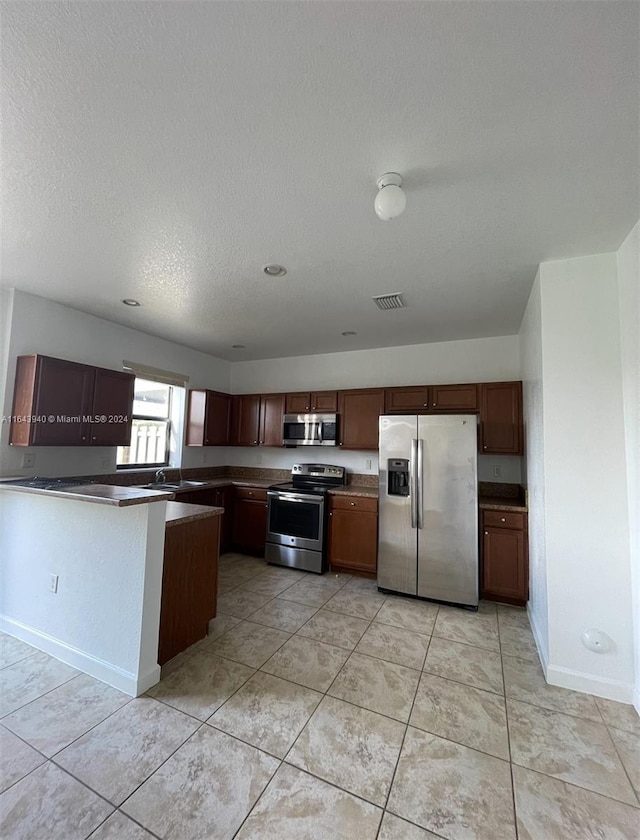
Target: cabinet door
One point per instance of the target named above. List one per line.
(62, 390)
(216, 423)
(249, 525)
(359, 413)
(245, 420)
(353, 540)
(299, 403)
(409, 400)
(453, 397)
(189, 585)
(113, 399)
(501, 417)
(223, 498)
(504, 571)
(271, 414)
(324, 402)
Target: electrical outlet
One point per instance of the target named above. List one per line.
(367, 463)
(259, 459)
(53, 584)
(497, 470)
(29, 459)
(205, 457)
(106, 461)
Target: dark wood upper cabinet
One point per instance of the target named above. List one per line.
(271, 413)
(303, 402)
(411, 399)
(453, 397)
(245, 420)
(359, 411)
(113, 399)
(501, 426)
(256, 419)
(71, 399)
(208, 418)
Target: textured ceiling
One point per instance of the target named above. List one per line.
(167, 151)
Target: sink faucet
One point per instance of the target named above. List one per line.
(160, 477)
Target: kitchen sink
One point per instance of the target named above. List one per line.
(173, 485)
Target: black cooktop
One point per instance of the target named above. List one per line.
(290, 487)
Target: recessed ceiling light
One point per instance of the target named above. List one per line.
(274, 270)
(131, 302)
(349, 332)
(238, 347)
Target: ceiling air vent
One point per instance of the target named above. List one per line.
(389, 301)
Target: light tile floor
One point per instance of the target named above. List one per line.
(319, 709)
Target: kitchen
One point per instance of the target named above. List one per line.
(568, 339)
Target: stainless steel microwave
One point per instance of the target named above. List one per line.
(310, 430)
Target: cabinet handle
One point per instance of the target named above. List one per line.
(486, 533)
(502, 519)
(485, 446)
(306, 408)
(255, 442)
(331, 514)
(83, 437)
(353, 504)
(426, 405)
(434, 404)
(93, 438)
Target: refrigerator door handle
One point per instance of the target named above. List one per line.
(419, 483)
(413, 495)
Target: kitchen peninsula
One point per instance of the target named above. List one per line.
(82, 574)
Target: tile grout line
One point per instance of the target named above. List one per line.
(506, 713)
(624, 766)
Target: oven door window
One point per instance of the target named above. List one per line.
(295, 518)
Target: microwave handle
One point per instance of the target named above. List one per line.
(320, 431)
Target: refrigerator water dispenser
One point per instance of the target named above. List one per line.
(398, 471)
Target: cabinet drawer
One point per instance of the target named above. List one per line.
(254, 493)
(503, 519)
(363, 503)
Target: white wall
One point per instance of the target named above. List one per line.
(42, 326)
(37, 325)
(104, 619)
(475, 360)
(531, 360)
(628, 259)
(578, 424)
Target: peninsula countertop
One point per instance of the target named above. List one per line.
(101, 494)
(178, 513)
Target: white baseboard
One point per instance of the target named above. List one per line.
(125, 681)
(636, 698)
(579, 681)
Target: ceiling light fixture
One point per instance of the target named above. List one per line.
(274, 270)
(131, 302)
(349, 332)
(238, 347)
(391, 199)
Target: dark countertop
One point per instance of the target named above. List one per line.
(178, 513)
(101, 494)
(355, 490)
(501, 503)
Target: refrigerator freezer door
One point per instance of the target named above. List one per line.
(397, 539)
(448, 539)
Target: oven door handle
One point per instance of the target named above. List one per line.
(294, 497)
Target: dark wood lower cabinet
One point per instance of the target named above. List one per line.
(249, 520)
(505, 566)
(189, 584)
(353, 535)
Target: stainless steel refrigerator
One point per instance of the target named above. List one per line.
(428, 507)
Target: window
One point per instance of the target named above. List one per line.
(151, 427)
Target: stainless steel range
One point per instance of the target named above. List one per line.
(297, 520)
